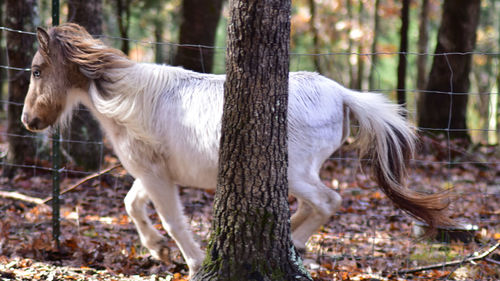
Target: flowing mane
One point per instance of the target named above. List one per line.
(92, 56)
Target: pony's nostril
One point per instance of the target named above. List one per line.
(24, 118)
(34, 123)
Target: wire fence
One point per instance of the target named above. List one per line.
(453, 156)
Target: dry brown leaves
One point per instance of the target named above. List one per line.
(368, 239)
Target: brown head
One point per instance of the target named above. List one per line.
(68, 58)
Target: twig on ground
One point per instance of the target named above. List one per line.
(451, 263)
(19, 196)
(39, 201)
(84, 180)
(492, 261)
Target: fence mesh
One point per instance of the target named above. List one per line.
(367, 235)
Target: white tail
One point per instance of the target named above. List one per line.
(385, 137)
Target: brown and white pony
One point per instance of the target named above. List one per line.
(164, 124)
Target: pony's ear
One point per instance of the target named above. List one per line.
(43, 40)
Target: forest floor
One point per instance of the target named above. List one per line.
(368, 239)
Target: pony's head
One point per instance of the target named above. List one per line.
(67, 60)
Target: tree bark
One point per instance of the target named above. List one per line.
(444, 104)
(376, 33)
(198, 27)
(251, 230)
(20, 48)
(403, 49)
(87, 151)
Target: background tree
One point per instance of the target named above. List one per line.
(251, 231)
(444, 105)
(374, 47)
(3, 72)
(360, 59)
(198, 27)
(315, 36)
(403, 49)
(20, 49)
(123, 17)
(87, 151)
(423, 40)
(350, 46)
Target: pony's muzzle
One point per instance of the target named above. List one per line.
(32, 124)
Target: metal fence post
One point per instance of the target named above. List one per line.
(56, 158)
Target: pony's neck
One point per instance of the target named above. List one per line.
(122, 106)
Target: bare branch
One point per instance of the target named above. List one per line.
(451, 263)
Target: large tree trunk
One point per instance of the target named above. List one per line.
(198, 27)
(403, 49)
(251, 229)
(87, 151)
(20, 48)
(444, 104)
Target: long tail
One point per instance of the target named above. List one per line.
(388, 140)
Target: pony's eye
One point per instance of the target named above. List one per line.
(37, 73)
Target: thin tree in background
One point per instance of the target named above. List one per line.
(374, 50)
(199, 22)
(123, 17)
(158, 32)
(20, 49)
(484, 78)
(315, 36)
(360, 59)
(497, 8)
(423, 41)
(3, 72)
(87, 152)
(251, 231)
(444, 103)
(350, 46)
(403, 49)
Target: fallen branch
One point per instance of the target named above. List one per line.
(39, 201)
(19, 196)
(492, 261)
(84, 180)
(451, 263)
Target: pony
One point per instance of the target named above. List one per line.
(164, 124)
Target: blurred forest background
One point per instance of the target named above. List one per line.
(384, 45)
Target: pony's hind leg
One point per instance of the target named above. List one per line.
(167, 203)
(304, 210)
(318, 204)
(135, 204)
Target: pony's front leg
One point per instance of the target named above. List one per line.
(166, 200)
(135, 204)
